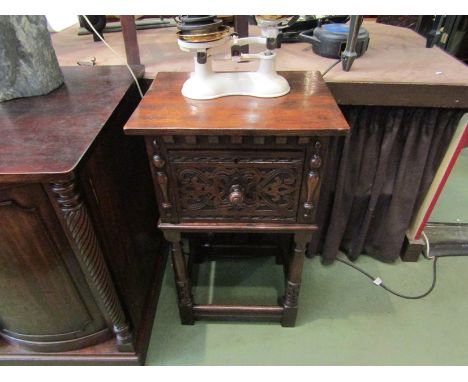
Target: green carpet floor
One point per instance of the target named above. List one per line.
(343, 319)
(452, 206)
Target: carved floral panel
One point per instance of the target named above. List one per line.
(267, 187)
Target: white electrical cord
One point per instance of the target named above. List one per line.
(427, 246)
(118, 55)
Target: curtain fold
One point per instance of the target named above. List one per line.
(376, 177)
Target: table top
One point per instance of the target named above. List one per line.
(397, 69)
(48, 135)
(396, 55)
(308, 109)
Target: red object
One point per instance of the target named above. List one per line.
(463, 143)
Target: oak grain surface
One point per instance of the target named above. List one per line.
(309, 107)
(49, 134)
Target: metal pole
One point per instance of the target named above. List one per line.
(349, 54)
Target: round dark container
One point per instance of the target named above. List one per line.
(329, 40)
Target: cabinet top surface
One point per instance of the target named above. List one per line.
(308, 109)
(49, 134)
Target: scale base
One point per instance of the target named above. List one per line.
(217, 85)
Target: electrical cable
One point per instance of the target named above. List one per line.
(118, 55)
(379, 282)
(428, 249)
(331, 67)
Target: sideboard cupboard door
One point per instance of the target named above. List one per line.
(43, 296)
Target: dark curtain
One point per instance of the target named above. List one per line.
(376, 177)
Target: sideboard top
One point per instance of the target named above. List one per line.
(308, 109)
(48, 135)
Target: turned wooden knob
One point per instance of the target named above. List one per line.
(236, 196)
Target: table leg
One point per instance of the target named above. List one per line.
(184, 289)
(293, 282)
(130, 40)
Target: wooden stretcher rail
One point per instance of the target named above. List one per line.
(235, 312)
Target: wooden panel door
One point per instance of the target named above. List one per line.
(43, 295)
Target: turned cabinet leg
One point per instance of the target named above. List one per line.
(293, 282)
(184, 289)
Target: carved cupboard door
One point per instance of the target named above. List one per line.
(43, 295)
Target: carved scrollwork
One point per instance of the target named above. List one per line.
(278, 187)
(210, 188)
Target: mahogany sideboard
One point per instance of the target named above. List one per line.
(238, 165)
(79, 266)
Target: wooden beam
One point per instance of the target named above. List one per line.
(130, 40)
